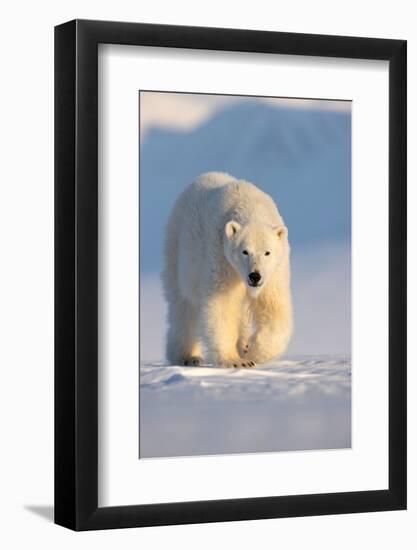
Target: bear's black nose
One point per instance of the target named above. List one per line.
(254, 277)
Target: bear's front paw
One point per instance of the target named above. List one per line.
(243, 346)
(193, 361)
(237, 364)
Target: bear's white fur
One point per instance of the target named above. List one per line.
(221, 230)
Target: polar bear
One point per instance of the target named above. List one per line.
(227, 275)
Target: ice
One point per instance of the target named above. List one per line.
(293, 404)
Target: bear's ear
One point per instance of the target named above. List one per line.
(231, 228)
(281, 231)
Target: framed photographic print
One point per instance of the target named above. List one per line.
(230, 255)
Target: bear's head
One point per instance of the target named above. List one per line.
(255, 250)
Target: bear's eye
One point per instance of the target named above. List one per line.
(245, 252)
(267, 253)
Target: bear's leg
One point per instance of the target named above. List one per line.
(183, 346)
(274, 324)
(268, 343)
(245, 332)
(220, 320)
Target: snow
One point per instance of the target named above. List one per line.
(297, 403)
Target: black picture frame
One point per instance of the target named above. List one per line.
(76, 273)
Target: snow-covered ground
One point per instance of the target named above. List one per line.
(299, 403)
